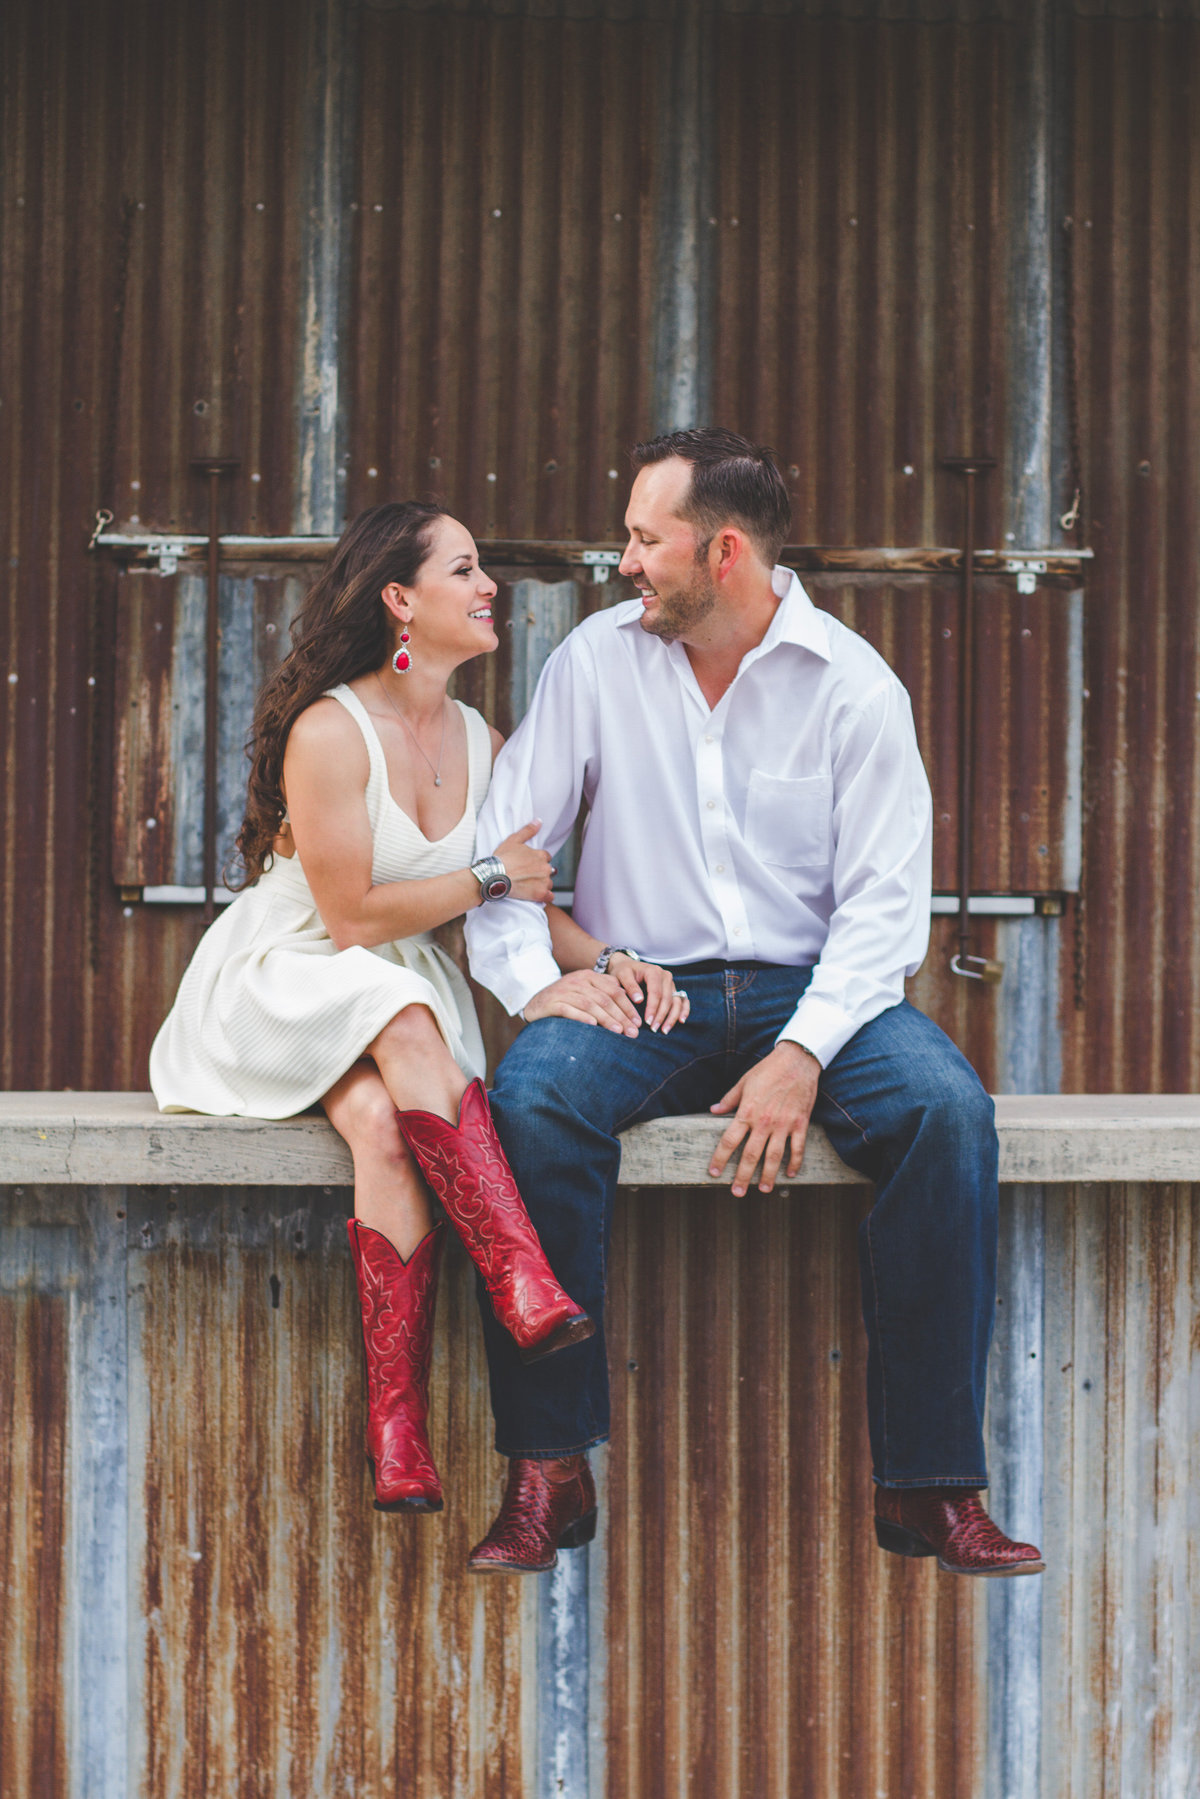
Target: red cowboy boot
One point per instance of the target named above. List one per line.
(949, 1522)
(398, 1299)
(538, 1516)
(470, 1175)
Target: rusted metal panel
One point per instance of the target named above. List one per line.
(290, 1639)
(158, 805)
(1123, 1291)
(759, 1643)
(1024, 840)
(33, 1341)
(277, 1636)
(861, 275)
(148, 313)
(502, 297)
(1133, 292)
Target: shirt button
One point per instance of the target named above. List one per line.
(737, 930)
(720, 868)
(708, 740)
(712, 805)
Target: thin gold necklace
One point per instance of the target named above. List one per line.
(436, 772)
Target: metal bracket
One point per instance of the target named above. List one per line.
(1026, 569)
(600, 561)
(167, 551)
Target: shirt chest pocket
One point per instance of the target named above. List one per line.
(789, 822)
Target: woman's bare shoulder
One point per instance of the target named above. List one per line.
(326, 729)
(497, 741)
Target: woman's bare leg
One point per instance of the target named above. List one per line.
(390, 1195)
(416, 1067)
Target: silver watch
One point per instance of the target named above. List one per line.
(600, 965)
(493, 879)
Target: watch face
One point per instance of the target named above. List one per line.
(497, 887)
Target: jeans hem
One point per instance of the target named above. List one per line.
(972, 1482)
(550, 1455)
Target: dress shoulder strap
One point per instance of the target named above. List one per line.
(377, 780)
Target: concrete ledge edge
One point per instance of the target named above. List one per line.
(121, 1139)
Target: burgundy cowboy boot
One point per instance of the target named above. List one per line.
(470, 1175)
(398, 1299)
(547, 1506)
(949, 1522)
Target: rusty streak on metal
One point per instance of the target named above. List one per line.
(964, 963)
(215, 467)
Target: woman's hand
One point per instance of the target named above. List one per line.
(665, 1005)
(528, 869)
(588, 998)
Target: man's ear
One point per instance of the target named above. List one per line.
(726, 550)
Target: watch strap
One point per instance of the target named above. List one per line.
(600, 965)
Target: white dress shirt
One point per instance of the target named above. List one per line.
(791, 824)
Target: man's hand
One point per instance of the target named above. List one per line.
(773, 1103)
(589, 998)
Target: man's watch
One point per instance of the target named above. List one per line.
(493, 879)
(600, 965)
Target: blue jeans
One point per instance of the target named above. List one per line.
(900, 1104)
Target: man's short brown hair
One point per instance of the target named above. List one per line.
(734, 482)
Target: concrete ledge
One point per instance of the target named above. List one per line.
(121, 1139)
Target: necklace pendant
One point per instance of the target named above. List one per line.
(437, 780)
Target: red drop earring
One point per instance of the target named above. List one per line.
(402, 660)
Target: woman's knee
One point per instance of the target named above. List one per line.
(366, 1117)
(412, 1030)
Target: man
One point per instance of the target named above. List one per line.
(758, 822)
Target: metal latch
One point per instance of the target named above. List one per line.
(167, 551)
(600, 561)
(1026, 569)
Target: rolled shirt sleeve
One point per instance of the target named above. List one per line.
(882, 876)
(540, 773)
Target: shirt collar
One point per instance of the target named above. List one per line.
(796, 619)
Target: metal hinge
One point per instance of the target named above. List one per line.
(600, 561)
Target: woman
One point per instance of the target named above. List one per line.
(322, 982)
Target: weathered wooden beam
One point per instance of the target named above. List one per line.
(1052, 567)
(107, 1139)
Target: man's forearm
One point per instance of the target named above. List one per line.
(573, 947)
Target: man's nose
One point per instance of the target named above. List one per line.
(629, 564)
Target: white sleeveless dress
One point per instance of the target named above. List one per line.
(269, 1013)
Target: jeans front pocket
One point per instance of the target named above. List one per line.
(789, 821)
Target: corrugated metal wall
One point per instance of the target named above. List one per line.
(221, 1612)
(1134, 205)
(199, 1600)
(758, 1641)
(156, 275)
(385, 249)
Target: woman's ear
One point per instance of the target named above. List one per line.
(397, 602)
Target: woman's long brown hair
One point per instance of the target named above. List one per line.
(342, 631)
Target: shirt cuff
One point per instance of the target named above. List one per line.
(522, 977)
(820, 1027)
